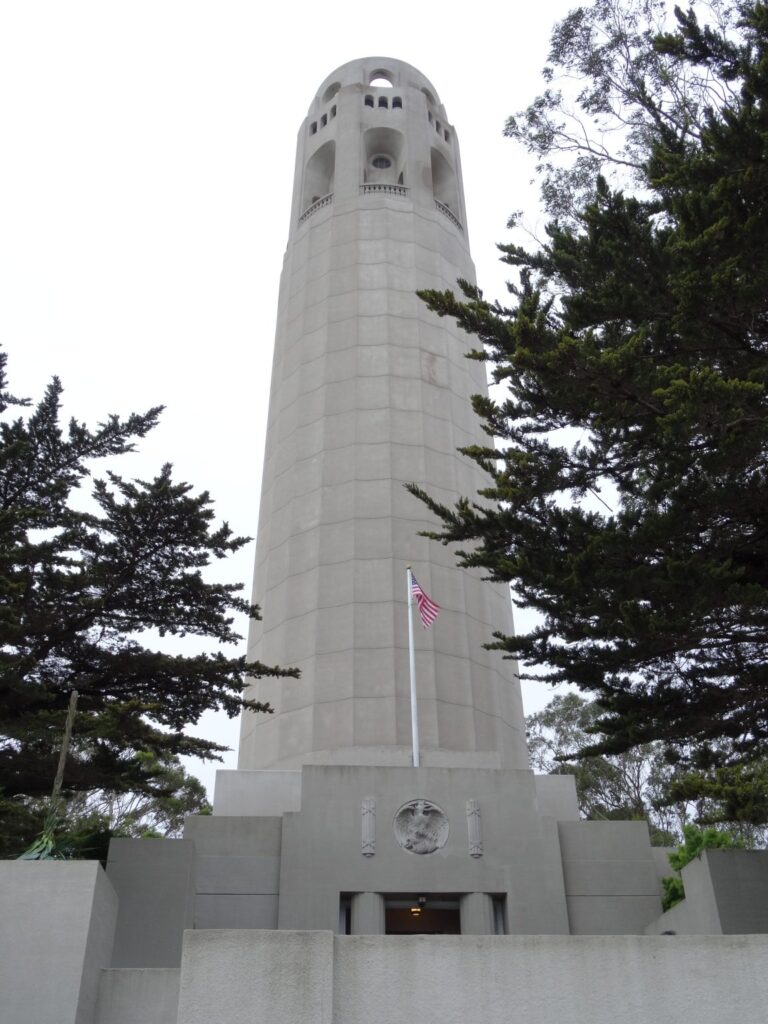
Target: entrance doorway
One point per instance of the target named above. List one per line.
(422, 915)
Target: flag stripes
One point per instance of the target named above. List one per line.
(428, 609)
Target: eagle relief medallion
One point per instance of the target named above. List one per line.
(421, 826)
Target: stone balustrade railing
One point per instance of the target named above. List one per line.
(449, 214)
(382, 187)
(317, 205)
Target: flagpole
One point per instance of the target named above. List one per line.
(412, 665)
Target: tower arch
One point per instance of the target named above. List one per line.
(319, 175)
(383, 156)
(445, 187)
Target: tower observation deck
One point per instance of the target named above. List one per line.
(371, 390)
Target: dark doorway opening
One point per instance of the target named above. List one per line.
(422, 915)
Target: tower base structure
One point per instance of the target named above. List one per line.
(350, 893)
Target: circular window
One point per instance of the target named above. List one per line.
(331, 91)
(381, 162)
(381, 79)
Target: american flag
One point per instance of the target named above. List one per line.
(428, 610)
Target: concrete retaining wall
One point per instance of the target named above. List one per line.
(236, 977)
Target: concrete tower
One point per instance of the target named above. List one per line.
(371, 390)
(335, 883)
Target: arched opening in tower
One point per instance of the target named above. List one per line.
(319, 174)
(383, 157)
(444, 185)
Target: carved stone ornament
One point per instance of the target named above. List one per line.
(369, 827)
(474, 831)
(421, 827)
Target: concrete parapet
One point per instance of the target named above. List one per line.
(543, 978)
(234, 977)
(245, 977)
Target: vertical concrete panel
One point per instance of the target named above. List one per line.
(98, 944)
(57, 923)
(740, 882)
(476, 909)
(154, 881)
(256, 977)
(138, 996)
(368, 914)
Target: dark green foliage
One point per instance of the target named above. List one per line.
(695, 841)
(628, 500)
(78, 588)
(734, 795)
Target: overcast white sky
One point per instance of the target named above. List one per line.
(146, 163)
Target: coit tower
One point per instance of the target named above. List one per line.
(370, 390)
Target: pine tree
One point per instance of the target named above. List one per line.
(79, 592)
(628, 496)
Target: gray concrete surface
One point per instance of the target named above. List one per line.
(740, 882)
(297, 977)
(556, 797)
(367, 914)
(611, 877)
(154, 881)
(541, 979)
(256, 794)
(57, 921)
(138, 996)
(236, 870)
(476, 910)
(250, 977)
